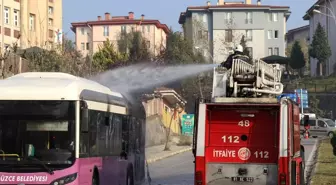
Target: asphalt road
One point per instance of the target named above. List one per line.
(179, 169)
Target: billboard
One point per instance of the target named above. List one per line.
(187, 123)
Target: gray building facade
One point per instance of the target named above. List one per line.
(216, 29)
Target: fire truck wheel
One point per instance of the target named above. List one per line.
(302, 174)
(331, 134)
(303, 159)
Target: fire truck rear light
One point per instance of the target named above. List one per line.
(198, 178)
(283, 179)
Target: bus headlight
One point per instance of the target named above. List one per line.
(65, 180)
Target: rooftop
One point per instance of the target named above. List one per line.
(298, 29)
(120, 20)
(230, 6)
(311, 9)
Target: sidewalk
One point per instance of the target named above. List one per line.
(156, 153)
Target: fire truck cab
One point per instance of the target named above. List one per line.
(248, 140)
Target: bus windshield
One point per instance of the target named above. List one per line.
(47, 126)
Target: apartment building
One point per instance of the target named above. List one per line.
(300, 33)
(216, 29)
(91, 34)
(323, 12)
(34, 22)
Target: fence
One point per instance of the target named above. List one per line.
(312, 87)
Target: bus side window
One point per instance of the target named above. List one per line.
(125, 133)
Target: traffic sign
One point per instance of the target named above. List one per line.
(303, 95)
(291, 96)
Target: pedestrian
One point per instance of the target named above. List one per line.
(237, 54)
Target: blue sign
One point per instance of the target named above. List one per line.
(187, 124)
(303, 95)
(291, 96)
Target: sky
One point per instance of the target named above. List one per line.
(166, 12)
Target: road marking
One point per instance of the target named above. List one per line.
(310, 158)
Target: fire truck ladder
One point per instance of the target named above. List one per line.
(246, 80)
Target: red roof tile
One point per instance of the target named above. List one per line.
(118, 20)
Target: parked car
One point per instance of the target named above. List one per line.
(320, 127)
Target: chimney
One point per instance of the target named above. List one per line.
(208, 3)
(107, 16)
(99, 18)
(248, 2)
(259, 2)
(142, 17)
(220, 2)
(131, 15)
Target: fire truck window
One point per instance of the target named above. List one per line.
(321, 124)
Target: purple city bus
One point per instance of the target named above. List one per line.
(58, 129)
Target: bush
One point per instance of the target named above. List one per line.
(185, 140)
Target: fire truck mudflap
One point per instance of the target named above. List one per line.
(241, 144)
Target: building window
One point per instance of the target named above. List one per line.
(87, 46)
(275, 17)
(228, 35)
(6, 15)
(205, 18)
(250, 50)
(50, 22)
(106, 31)
(123, 28)
(276, 51)
(270, 51)
(276, 34)
(269, 15)
(228, 17)
(50, 10)
(248, 18)
(269, 34)
(248, 35)
(148, 28)
(82, 31)
(16, 18)
(82, 46)
(31, 22)
(143, 29)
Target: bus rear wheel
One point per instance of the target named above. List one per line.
(129, 179)
(95, 180)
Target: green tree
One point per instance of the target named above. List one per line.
(314, 104)
(106, 56)
(139, 50)
(319, 48)
(297, 57)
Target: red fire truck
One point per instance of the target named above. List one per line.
(247, 140)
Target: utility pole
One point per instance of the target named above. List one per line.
(2, 37)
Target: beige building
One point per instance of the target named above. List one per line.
(34, 22)
(110, 28)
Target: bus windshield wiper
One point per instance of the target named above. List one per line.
(42, 164)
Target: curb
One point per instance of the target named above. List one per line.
(168, 155)
(312, 163)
